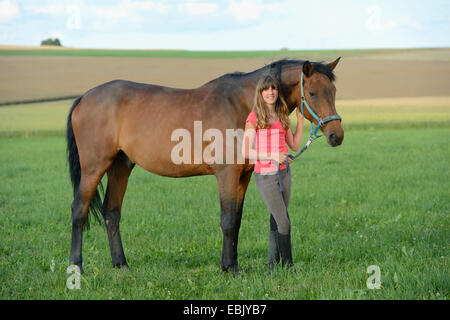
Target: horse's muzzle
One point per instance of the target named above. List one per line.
(334, 140)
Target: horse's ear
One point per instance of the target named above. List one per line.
(333, 64)
(307, 68)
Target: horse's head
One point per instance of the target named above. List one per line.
(320, 94)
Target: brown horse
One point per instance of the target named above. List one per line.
(122, 123)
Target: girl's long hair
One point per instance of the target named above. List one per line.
(261, 109)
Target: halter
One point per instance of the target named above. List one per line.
(312, 132)
(320, 121)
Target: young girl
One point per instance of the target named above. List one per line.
(267, 132)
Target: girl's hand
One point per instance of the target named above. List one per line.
(280, 157)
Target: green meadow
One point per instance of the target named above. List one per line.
(311, 54)
(381, 198)
(49, 118)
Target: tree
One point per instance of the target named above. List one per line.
(51, 42)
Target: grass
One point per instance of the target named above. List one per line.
(417, 112)
(35, 118)
(311, 54)
(49, 118)
(379, 199)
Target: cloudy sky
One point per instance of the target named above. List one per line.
(227, 25)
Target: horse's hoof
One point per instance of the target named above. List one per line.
(232, 269)
(121, 266)
(125, 268)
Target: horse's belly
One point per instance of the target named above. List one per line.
(159, 157)
(170, 143)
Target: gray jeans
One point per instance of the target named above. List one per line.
(277, 202)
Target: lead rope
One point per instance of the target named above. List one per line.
(290, 156)
(312, 135)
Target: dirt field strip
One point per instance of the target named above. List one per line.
(41, 77)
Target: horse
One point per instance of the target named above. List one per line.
(119, 124)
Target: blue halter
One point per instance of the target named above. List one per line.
(312, 132)
(320, 122)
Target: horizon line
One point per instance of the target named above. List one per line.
(46, 47)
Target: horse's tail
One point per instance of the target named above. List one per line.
(95, 207)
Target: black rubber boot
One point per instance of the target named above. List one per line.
(274, 254)
(285, 249)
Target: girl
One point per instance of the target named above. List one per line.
(267, 132)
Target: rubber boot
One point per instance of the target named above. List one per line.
(285, 249)
(274, 254)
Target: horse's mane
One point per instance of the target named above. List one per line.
(275, 67)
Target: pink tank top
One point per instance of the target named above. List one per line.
(268, 140)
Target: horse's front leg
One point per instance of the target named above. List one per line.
(232, 187)
(230, 222)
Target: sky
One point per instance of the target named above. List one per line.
(228, 25)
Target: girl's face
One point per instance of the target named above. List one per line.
(270, 95)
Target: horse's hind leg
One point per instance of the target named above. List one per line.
(118, 175)
(80, 209)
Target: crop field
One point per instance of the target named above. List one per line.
(313, 54)
(379, 199)
(30, 75)
(49, 118)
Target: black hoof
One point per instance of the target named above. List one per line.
(121, 266)
(232, 269)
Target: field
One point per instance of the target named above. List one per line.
(382, 198)
(49, 118)
(313, 54)
(35, 74)
(379, 199)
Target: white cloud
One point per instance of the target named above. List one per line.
(251, 9)
(245, 10)
(56, 34)
(112, 13)
(140, 10)
(57, 9)
(128, 8)
(73, 17)
(374, 21)
(8, 10)
(144, 5)
(47, 9)
(199, 8)
(134, 11)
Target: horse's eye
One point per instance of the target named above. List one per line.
(312, 94)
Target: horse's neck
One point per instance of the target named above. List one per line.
(291, 82)
(245, 90)
(245, 87)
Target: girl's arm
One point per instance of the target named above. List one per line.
(249, 151)
(294, 140)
